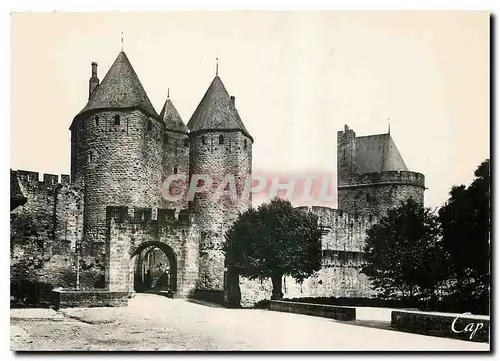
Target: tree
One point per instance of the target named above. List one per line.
(272, 241)
(403, 253)
(465, 220)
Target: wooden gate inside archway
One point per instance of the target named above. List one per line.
(155, 268)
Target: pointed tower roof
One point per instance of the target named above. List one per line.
(120, 88)
(171, 118)
(378, 153)
(216, 111)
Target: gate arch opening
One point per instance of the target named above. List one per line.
(155, 268)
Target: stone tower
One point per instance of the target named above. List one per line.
(372, 176)
(175, 158)
(116, 150)
(220, 147)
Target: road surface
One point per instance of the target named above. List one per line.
(153, 322)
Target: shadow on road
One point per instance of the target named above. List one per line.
(205, 303)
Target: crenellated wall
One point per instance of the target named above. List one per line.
(377, 198)
(346, 231)
(50, 214)
(391, 177)
(130, 230)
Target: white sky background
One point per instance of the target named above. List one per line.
(297, 77)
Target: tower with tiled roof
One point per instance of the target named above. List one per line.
(116, 149)
(372, 176)
(221, 148)
(175, 157)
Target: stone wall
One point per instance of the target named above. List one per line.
(94, 298)
(340, 276)
(371, 193)
(466, 327)
(209, 157)
(346, 156)
(342, 280)
(133, 229)
(176, 161)
(68, 211)
(311, 309)
(118, 162)
(390, 177)
(38, 218)
(377, 199)
(346, 231)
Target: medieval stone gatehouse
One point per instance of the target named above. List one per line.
(118, 204)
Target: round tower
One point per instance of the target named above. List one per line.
(220, 150)
(116, 151)
(175, 158)
(372, 175)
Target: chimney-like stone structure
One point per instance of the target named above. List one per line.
(94, 80)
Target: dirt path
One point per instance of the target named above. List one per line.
(152, 322)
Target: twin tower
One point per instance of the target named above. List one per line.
(122, 150)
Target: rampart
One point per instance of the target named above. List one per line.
(53, 213)
(343, 231)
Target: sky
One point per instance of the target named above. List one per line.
(298, 77)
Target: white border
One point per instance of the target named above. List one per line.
(148, 5)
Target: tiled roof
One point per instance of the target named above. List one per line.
(171, 118)
(216, 111)
(378, 153)
(120, 88)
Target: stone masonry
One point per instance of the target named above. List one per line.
(372, 176)
(131, 230)
(123, 157)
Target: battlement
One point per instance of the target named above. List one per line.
(342, 231)
(33, 178)
(329, 215)
(389, 178)
(145, 216)
(346, 132)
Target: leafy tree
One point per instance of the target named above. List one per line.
(403, 253)
(272, 241)
(465, 220)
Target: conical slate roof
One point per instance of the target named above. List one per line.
(120, 88)
(378, 153)
(216, 111)
(171, 118)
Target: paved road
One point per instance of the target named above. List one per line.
(152, 322)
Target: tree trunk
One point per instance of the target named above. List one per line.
(276, 279)
(232, 293)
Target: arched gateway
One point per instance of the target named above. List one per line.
(136, 234)
(155, 268)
